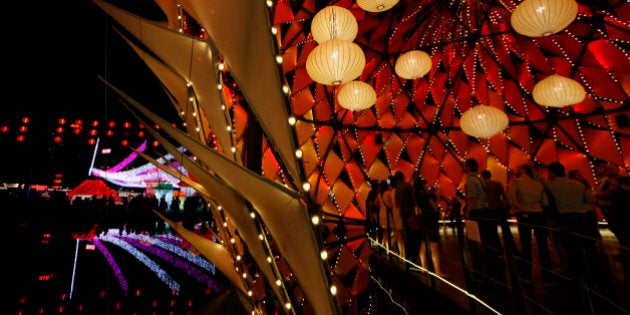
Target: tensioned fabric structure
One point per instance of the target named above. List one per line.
(286, 167)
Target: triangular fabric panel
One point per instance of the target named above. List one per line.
(237, 28)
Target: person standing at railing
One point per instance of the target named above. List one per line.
(573, 201)
(426, 201)
(527, 198)
(398, 226)
(477, 212)
(496, 200)
(385, 219)
(592, 214)
(371, 209)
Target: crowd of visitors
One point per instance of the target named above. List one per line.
(557, 208)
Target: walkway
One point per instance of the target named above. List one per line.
(607, 293)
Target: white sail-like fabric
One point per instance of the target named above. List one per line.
(173, 82)
(216, 253)
(171, 10)
(190, 57)
(241, 31)
(279, 207)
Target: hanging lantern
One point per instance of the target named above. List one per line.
(356, 95)
(376, 5)
(335, 61)
(334, 22)
(558, 91)
(535, 18)
(483, 121)
(413, 64)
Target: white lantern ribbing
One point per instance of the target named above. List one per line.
(356, 95)
(483, 121)
(376, 5)
(413, 64)
(335, 61)
(558, 91)
(535, 18)
(334, 22)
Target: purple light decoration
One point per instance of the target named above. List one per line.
(191, 270)
(112, 262)
(140, 256)
(128, 159)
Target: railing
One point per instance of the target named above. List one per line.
(587, 278)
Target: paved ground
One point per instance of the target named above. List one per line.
(506, 294)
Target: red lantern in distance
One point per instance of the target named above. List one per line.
(92, 141)
(95, 123)
(4, 129)
(61, 121)
(21, 138)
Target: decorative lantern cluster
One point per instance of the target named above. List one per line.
(376, 5)
(483, 121)
(558, 91)
(356, 95)
(336, 59)
(413, 64)
(536, 18)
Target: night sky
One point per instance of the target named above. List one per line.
(54, 53)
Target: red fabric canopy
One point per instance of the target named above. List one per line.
(93, 187)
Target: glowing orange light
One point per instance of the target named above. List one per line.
(110, 133)
(76, 131)
(57, 139)
(127, 125)
(59, 130)
(4, 129)
(93, 132)
(79, 122)
(141, 134)
(111, 124)
(156, 126)
(26, 120)
(156, 143)
(23, 129)
(124, 142)
(21, 138)
(92, 141)
(61, 121)
(95, 123)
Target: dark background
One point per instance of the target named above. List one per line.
(53, 55)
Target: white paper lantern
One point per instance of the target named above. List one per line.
(413, 64)
(335, 61)
(483, 121)
(356, 95)
(558, 91)
(376, 5)
(334, 22)
(535, 18)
